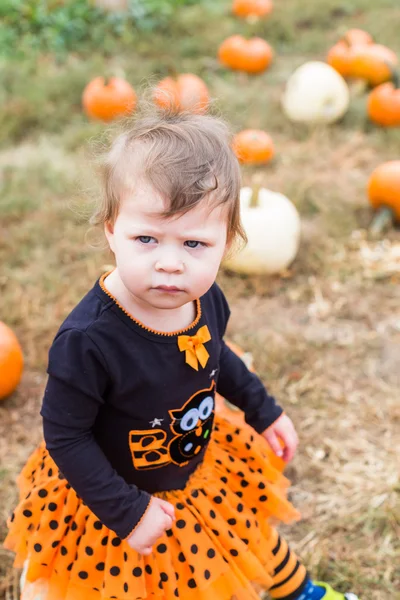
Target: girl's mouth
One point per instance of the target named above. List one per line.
(168, 288)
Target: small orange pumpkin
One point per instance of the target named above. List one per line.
(107, 101)
(356, 55)
(355, 37)
(252, 56)
(250, 8)
(253, 146)
(384, 103)
(340, 55)
(185, 92)
(339, 58)
(384, 194)
(373, 62)
(11, 361)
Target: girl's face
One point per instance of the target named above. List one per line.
(166, 263)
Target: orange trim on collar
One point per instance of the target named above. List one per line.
(166, 333)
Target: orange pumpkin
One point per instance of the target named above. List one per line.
(250, 8)
(354, 37)
(251, 56)
(108, 100)
(185, 92)
(340, 55)
(339, 58)
(384, 104)
(384, 194)
(356, 55)
(253, 146)
(372, 62)
(11, 361)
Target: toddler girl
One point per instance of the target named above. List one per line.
(141, 490)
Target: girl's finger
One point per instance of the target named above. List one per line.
(168, 522)
(290, 447)
(288, 453)
(168, 508)
(273, 441)
(146, 551)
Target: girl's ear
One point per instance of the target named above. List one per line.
(109, 233)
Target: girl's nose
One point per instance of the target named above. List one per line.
(169, 263)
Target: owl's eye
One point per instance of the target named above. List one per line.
(206, 407)
(189, 420)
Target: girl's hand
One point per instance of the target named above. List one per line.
(158, 518)
(282, 429)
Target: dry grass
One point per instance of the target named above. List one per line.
(325, 337)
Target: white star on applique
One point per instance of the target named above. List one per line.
(156, 422)
(213, 372)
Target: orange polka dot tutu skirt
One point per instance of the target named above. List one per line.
(220, 546)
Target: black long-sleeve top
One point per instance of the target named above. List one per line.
(125, 415)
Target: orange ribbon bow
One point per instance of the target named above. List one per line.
(194, 347)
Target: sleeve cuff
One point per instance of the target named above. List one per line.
(262, 423)
(141, 509)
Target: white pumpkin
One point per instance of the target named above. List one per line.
(315, 93)
(273, 231)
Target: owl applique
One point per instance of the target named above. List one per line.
(191, 427)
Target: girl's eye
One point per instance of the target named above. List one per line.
(193, 244)
(145, 239)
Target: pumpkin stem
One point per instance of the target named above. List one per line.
(172, 71)
(345, 40)
(382, 221)
(394, 74)
(254, 196)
